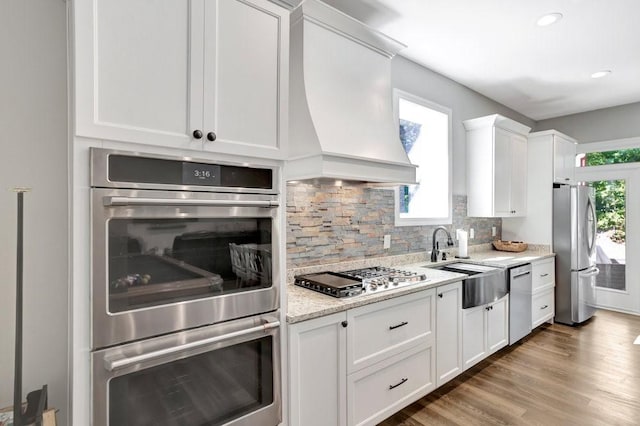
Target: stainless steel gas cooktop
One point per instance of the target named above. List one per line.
(359, 281)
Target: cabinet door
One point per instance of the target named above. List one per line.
(473, 336)
(448, 332)
(518, 189)
(502, 173)
(497, 325)
(564, 158)
(246, 75)
(317, 372)
(132, 69)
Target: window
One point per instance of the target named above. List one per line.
(601, 158)
(425, 133)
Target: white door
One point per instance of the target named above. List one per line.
(474, 331)
(448, 332)
(502, 173)
(244, 72)
(617, 285)
(132, 69)
(497, 325)
(518, 180)
(318, 371)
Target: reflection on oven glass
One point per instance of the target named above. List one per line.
(160, 261)
(207, 389)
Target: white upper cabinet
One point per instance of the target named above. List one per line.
(198, 74)
(551, 159)
(496, 167)
(564, 157)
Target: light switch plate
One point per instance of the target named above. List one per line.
(387, 241)
(472, 234)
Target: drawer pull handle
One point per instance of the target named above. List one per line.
(393, 327)
(544, 275)
(544, 307)
(403, 381)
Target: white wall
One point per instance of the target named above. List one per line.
(465, 103)
(33, 142)
(618, 122)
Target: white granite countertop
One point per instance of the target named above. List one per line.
(304, 304)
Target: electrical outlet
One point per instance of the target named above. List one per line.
(493, 231)
(387, 241)
(472, 234)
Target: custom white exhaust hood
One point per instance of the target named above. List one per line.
(342, 124)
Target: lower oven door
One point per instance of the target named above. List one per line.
(165, 261)
(222, 374)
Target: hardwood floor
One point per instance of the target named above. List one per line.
(558, 375)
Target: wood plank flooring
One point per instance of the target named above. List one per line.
(558, 375)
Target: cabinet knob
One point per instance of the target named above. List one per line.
(211, 136)
(567, 179)
(344, 323)
(440, 295)
(197, 134)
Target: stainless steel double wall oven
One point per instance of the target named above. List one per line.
(185, 293)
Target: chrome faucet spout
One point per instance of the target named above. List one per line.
(434, 249)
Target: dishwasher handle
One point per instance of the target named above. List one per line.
(522, 274)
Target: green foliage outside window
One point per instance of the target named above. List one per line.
(610, 195)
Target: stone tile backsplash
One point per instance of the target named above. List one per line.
(328, 223)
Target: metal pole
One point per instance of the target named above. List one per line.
(17, 378)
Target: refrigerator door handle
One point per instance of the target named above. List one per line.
(592, 223)
(590, 273)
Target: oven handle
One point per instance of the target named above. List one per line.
(117, 364)
(133, 201)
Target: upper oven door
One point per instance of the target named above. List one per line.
(165, 260)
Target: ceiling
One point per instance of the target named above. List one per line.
(495, 48)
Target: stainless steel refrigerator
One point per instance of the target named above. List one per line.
(574, 242)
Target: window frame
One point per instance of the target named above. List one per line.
(445, 220)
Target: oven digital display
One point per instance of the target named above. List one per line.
(200, 174)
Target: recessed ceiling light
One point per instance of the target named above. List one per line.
(549, 19)
(600, 74)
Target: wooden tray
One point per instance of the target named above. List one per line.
(513, 246)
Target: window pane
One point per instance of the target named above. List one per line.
(611, 233)
(424, 133)
(631, 155)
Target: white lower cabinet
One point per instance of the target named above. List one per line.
(543, 282)
(448, 332)
(317, 372)
(485, 330)
(360, 366)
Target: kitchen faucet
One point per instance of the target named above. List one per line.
(434, 250)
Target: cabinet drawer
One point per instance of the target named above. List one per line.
(542, 307)
(380, 330)
(544, 274)
(380, 390)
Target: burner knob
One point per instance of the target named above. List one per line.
(373, 286)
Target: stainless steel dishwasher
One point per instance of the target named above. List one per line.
(519, 302)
